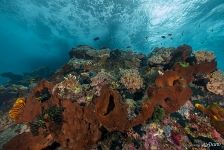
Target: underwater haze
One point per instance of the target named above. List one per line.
(36, 33)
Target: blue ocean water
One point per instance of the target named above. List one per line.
(35, 33)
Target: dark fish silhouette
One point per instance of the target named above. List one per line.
(163, 36)
(169, 34)
(128, 47)
(96, 38)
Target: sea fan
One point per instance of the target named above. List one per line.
(17, 107)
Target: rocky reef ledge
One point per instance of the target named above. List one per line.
(115, 99)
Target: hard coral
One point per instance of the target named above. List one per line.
(216, 83)
(204, 56)
(160, 56)
(131, 79)
(101, 79)
(69, 88)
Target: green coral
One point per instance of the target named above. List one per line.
(184, 64)
(158, 114)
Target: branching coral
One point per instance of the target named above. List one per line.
(216, 83)
(131, 79)
(101, 79)
(69, 88)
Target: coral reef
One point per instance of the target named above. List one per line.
(116, 99)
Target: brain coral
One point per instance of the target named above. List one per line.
(131, 79)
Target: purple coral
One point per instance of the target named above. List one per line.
(151, 138)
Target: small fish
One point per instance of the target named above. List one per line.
(163, 36)
(169, 34)
(182, 33)
(212, 30)
(128, 47)
(96, 39)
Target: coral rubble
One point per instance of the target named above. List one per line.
(116, 99)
